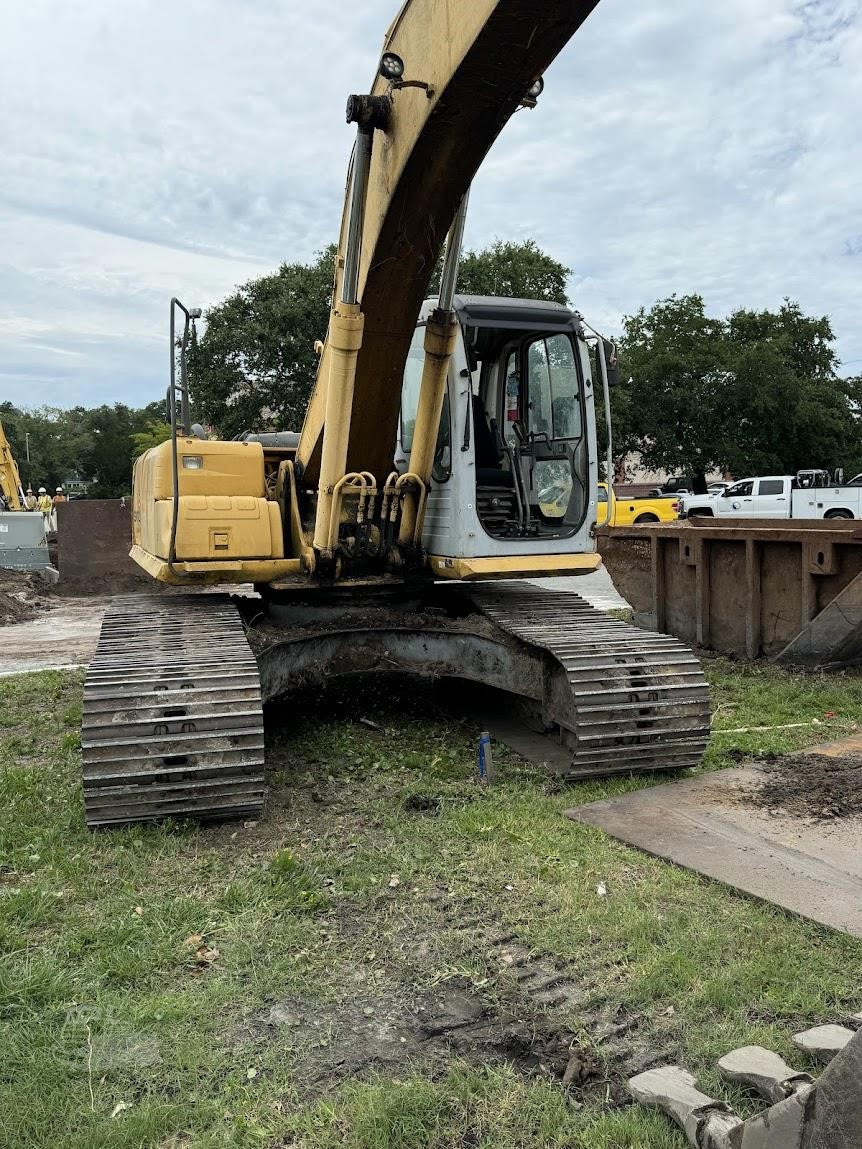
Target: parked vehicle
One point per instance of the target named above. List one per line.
(642, 509)
(807, 495)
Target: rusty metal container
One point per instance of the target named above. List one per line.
(790, 590)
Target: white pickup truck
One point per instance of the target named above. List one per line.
(807, 495)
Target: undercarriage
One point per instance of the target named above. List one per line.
(173, 710)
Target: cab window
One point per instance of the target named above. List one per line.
(552, 388)
(512, 401)
(739, 489)
(410, 387)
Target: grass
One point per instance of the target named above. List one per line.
(135, 964)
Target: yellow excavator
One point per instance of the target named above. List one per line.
(10, 480)
(400, 529)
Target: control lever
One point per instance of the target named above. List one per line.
(504, 448)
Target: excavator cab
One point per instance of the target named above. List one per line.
(517, 422)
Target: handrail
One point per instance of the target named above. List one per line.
(171, 398)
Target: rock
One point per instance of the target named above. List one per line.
(705, 1121)
(823, 1041)
(764, 1071)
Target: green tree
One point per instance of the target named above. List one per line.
(518, 270)
(109, 447)
(676, 357)
(156, 432)
(255, 364)
(97, 444)
(751, 394)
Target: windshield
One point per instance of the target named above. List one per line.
(553, 411)
(552, 388)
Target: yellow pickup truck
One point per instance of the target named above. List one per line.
(644, 509)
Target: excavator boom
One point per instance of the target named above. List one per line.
(473, 64)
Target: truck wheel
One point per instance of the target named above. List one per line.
(838, 515)
(647, 518)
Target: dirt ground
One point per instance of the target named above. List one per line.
(520, 1011)
(23, 595)
(42, 631)
(811, 786)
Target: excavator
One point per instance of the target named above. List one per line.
(400, 530)
(10, 480)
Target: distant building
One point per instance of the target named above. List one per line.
(77, 485)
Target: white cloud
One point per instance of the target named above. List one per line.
(152, 149)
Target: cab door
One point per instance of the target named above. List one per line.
(738, 500)
(772, 500)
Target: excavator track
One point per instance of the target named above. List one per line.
(639, 700)
(173, 718)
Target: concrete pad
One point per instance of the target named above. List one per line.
(823, 1042)
(705, 825)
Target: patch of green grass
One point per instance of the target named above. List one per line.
(175, 939)
(756, 694)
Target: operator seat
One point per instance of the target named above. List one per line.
(489, 455)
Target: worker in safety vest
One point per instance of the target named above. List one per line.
(45, 506)
(30, 501)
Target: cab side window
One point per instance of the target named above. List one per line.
(770, 487)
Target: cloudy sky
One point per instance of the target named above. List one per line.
(154, 148)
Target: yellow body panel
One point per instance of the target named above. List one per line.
(223, 515)
(227, 469)
(513, 566)
(225, 571)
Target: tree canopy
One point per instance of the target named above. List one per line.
(755, 393)
(517, 270)
(95, 444)
(255, 364)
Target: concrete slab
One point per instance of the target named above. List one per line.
(705, 825)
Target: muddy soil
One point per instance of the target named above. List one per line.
(811, 786)
(396, 1031)
(23, 595)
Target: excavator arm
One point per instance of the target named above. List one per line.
(466, 69)
(10, 480)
